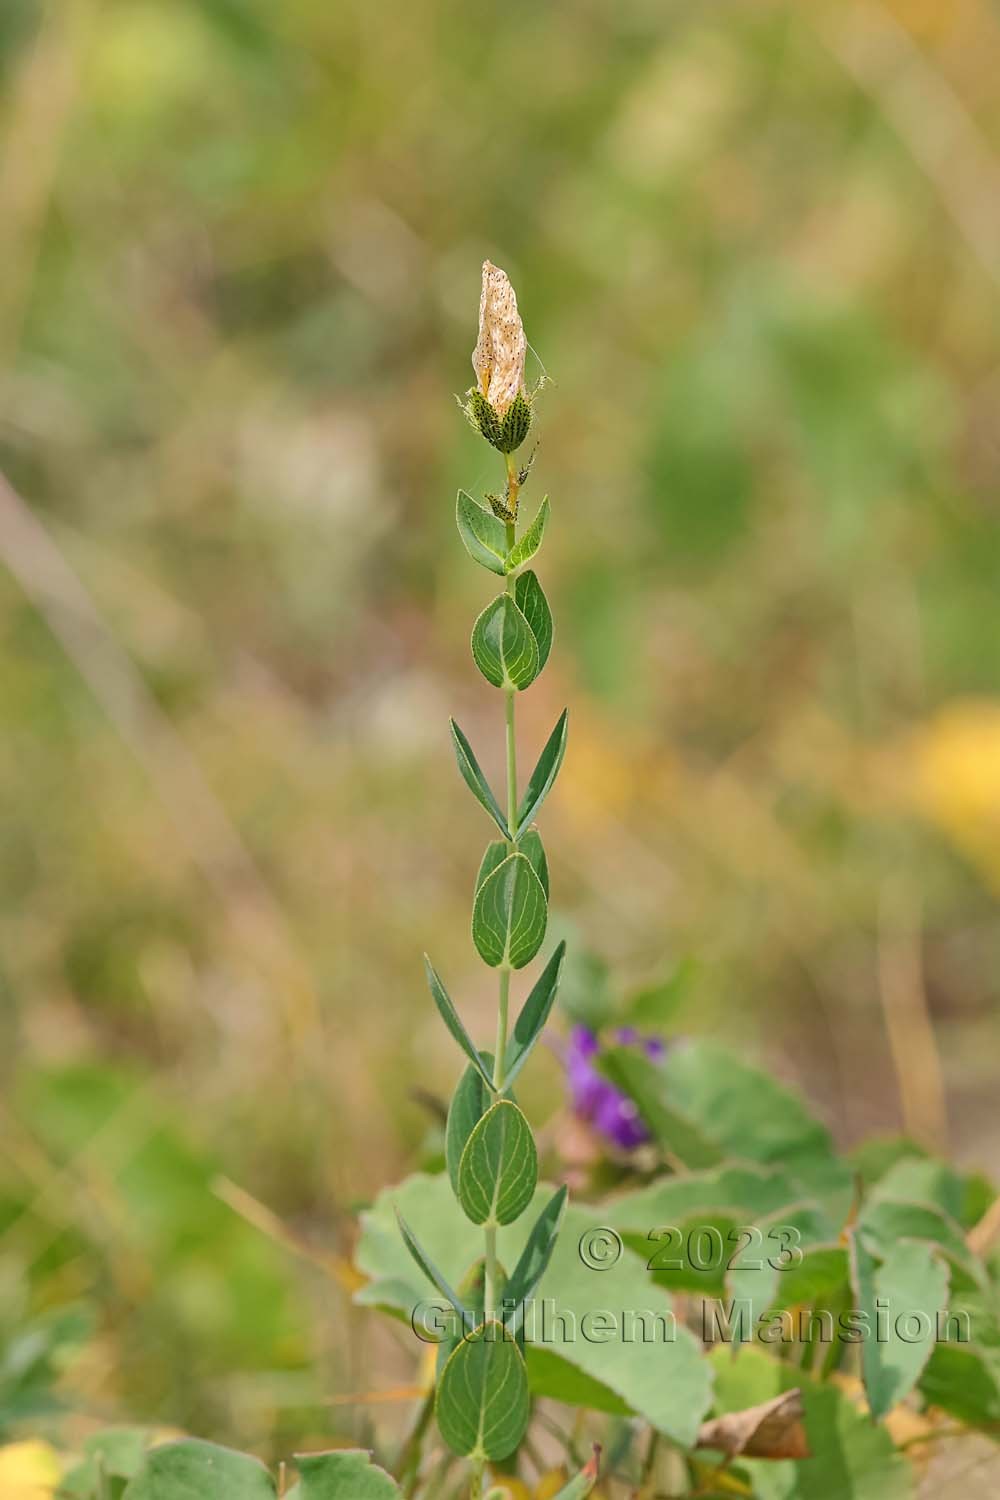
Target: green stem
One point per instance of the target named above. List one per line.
(492, 1299)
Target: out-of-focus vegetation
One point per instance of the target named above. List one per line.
(757, 247)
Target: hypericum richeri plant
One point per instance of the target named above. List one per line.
(482, 1400)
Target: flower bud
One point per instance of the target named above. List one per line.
(498, 405)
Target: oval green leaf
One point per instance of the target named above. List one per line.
(534, 606)
(498, 1170)
(543, 776)
(524, 550)
(531, 846)
(482, 1401)
(503, 645)
(483, 534)
(510, 913)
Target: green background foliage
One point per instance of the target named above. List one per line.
(757, 249)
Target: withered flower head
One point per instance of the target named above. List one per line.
(498, 358)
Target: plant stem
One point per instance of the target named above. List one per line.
(491, 1298)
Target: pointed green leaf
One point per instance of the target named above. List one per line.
(195, 1470)
(482, 1401)
(534, 606)
(451, 1018)
(524, 550)
(344, 1474)
(509, 915)
(426, 1265)
(534, 1013)
(474, 779)
(484, 536)
(496, 853)
(469, 1103)
(581, 1484)
(545, 772)
(537, 1252)
(900, 1298)
(503, 645)
(531, 846)
(499, 1166)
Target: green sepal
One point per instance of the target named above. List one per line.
(510, 914)
(515, 425)
(483, 535)
(484, 417)
(543, 776)
(534, 1013)
(498, 1171)
(503, 645)
(472, 775)
(524, 550)
(482, 1403)
(534, 606)
(451, 1018)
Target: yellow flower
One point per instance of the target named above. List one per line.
(498, 358)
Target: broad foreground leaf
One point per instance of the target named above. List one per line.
(634, 1368)
(194, 1470)
(344, 1474)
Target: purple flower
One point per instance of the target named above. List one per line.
(611, 1112)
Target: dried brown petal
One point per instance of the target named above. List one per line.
(498, 358)
(774, 1429)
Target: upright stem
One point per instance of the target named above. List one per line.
(491, 1299)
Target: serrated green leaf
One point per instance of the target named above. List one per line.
(195, 1470)
(533, 1015)
(510, 913)
(531, 601)
(545, 772)
(911, 1284)
(451, 1018)
(474, 779)
(645, 1084)
(483, 534)
(344, 1474)
(503, 645)
(524, 550)
(531, 846)
(469, 1103)
(423, 1260)
(498, 1171)
(537, 1253)
(482, 1403)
